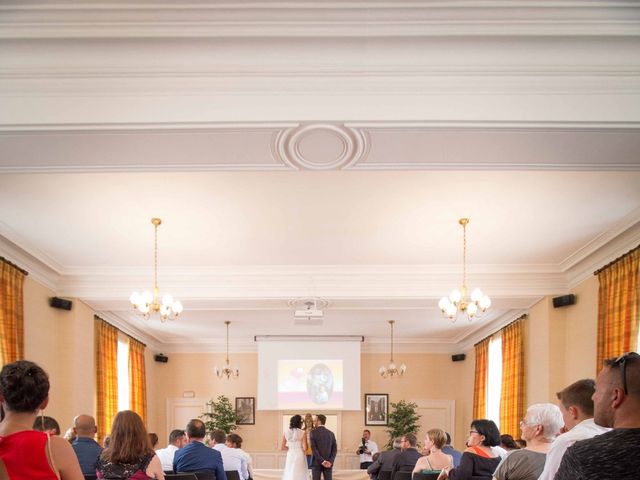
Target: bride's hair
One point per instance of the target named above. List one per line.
(295, 422)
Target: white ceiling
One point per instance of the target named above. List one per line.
(318, 150)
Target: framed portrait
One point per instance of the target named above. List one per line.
(376, 409)
(246, 410)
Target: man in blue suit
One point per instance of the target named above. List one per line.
(196, 456)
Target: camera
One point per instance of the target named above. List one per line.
(363, 447)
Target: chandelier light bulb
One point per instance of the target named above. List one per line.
(177, 307)
(458, 302)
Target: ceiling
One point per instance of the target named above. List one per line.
(305, 150)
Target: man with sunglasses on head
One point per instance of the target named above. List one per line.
(614, 454)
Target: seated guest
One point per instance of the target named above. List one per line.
(521, 443)
(196, 456)
(177, 440)
(508, 443)
(235, 441)
(616, 402)
(406, 460)
(47, 425)
(129, 454)
(576, 406)
(232, 459)
(384, 462)
(69, 435)
(26, 453)
(435, 460)
(449, 450)
(153, 439)
(478, 461)
(86, 448)
(539, 428)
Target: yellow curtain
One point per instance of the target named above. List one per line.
(11, 312)
(480, 386)
(106, 338)
(137, 379)
(512, 397)
(618, 307)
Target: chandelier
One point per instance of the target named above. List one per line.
(457, 301)
(227, 371)
(391, 370)
(146, 303)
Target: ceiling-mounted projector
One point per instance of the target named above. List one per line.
(308, 313)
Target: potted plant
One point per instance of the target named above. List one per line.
(403, 419)
(221, 415)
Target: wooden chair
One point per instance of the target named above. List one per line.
(425, 476)
(232, 474)
(402, 476)
(206, 475)
(90, 476)
(180, 476)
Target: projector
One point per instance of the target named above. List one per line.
(308, 313)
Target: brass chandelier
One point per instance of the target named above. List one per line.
(457, 301)
(147, 303)
(227, 371)
(392, 370)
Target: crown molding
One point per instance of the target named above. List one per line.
(38, 270)
(467, 342)
(126, 19)
(144, 336)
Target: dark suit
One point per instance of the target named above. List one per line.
(323, 447)
(405, 461)
(383, 463)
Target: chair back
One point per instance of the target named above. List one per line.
(384, 475)
(206, 475)
(90, 476)
(426, 476)
(180, 476)
(402, 476)
(232, 474)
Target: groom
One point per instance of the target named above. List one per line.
(323, 449)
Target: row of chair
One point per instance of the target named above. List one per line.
(231, 475)
(386, 475)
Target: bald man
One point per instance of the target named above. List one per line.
(86, 448)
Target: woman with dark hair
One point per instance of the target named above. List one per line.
(508, 443)
(24, 389)
(478, 461)
(129, 454)
(294, 441)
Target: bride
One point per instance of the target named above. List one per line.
(294, 441)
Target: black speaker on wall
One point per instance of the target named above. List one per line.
(161, 358)
(564, 301)
(458, 358)
(60, 303)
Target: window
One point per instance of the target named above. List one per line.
(123, 373)
(494, 378)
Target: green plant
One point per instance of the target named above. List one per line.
(403, 419)
(221, 415)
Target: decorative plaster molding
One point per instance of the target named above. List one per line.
(352, 145)
(98, 19)
(37, 269)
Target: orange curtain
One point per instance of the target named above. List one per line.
(512, 397)
(618, 307)
(137, 379)
(106, 338)
(11, 312)
(480, 386)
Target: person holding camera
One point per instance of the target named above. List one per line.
(366, 449)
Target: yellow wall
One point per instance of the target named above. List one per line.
(560, 348)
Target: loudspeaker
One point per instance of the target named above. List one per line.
(458, 358)
(564, 300)
(61, 303)
(161, 358)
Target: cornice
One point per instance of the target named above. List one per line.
(38, 270)
(99, 19)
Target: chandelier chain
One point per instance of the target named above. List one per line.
(155, 257)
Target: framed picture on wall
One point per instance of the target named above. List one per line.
(246, 410)
(376, 409)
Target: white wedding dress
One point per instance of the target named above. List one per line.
(295, 467)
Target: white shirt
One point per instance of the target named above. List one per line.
(248, 459)
(232, 459)
(585, 429)
(166, 457)
(372, 447)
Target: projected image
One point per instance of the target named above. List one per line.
(310, 383)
